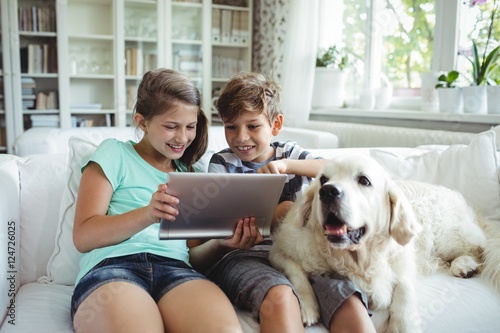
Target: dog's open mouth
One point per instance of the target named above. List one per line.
(338, 233)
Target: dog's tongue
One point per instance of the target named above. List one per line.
(336, 230)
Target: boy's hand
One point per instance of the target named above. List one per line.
(245, 235)
(279, 166)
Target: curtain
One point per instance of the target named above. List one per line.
(285, 42)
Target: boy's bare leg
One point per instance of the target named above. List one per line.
(280, 311)
(351, 316)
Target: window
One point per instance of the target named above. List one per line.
(391, 42)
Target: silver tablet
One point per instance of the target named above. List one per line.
(210, 204)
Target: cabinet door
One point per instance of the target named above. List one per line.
(231, 39)
(139, 46)
(89, 66)
(35, 79)
(186, 27)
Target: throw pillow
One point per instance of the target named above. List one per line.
(470, 169)
(63, 265)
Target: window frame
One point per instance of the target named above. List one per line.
(445, 45)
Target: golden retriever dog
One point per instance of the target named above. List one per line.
(356, 221)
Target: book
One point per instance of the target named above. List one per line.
(235, 27)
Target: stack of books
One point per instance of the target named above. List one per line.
(28, 86)
(45, 120)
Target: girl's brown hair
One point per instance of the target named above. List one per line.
(158, 92)
(249, 91)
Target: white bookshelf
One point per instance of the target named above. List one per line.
(102, 49)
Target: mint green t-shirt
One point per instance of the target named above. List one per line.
(133, 181)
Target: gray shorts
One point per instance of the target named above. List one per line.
(246, 276)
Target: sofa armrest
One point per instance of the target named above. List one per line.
(9, 240)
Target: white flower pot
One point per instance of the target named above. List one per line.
(475, 99)
(428, 91)
(329, 86)
(493, 93)
(450, 100)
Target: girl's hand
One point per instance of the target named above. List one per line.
(279, 166)
(162, 205)
(245, 235)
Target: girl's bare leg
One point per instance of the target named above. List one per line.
(198, 306)
(118, 307)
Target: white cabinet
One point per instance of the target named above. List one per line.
(231, 39)
(87, 40)
(30, 59)
(70, 63)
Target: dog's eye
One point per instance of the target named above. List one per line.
(362, 180)
(323, 180)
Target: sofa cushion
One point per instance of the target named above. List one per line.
(42, 183)
(470, 169)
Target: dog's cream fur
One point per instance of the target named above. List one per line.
(356, 221)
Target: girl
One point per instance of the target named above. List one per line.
(129, 280)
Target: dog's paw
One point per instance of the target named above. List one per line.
(310, 311)
(464, 267)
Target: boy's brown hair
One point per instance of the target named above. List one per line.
(252, 92)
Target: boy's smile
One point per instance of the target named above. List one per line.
(249, 136)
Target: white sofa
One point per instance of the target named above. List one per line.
(37, 194)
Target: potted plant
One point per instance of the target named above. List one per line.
(475, 95)
(330, 77)
(449, 95)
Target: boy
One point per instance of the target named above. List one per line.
(249, 106)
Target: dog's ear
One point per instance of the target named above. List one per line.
(403, 223)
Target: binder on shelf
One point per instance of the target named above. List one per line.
(244, 28)
(216, 25)
(235, 27)
(226, 18)
(149, 61)
(46, 100)
(41, 101)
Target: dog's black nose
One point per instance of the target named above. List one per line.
(330, 192)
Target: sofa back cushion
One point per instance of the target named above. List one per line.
(42, 182)
(470, 169)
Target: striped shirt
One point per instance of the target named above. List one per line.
(226, 161)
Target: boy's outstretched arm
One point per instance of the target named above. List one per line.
(307, 168)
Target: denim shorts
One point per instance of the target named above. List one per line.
(246, 277)
(155, 274)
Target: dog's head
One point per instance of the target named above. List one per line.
(353, 199)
